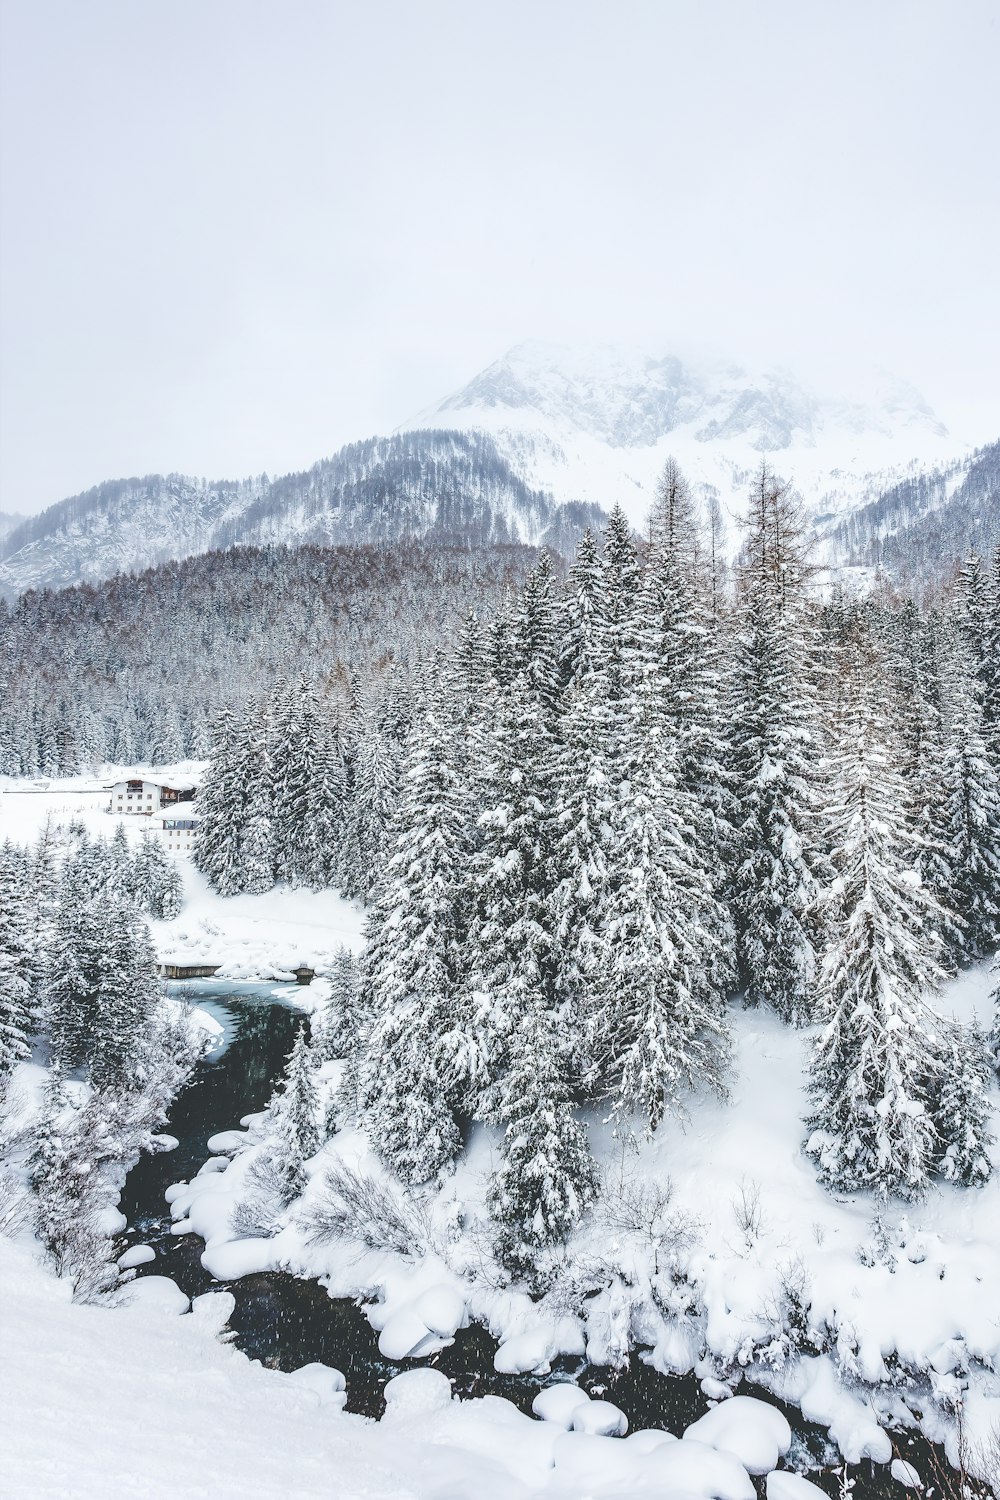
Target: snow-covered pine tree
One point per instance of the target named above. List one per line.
(156, 881)
(660, 1028)
(415, 1064)
(100, 985)
(968, 820)
(960, 1105)
(684, 656)
(17, 963)
(74, 971)
(218, 839)
(536, 632)
(335, 1028)
(374, 789)
(775, 750)
(118, 861)
(528, 1038)
(547, 1176)
(621, 587)
(325, 805)
(286, 778)
(871, 1124)
(127, 994)
(293, 1117)
(257, 851)
(584, 799)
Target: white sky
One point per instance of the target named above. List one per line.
(236, 235)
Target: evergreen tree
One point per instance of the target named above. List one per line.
(584, 798)
(17, 962)
(101, 985)
(218, 839)
(415, 1067)
(621, 588)
(511, 958)
(156, 881)
(961, 1108)
(336, 1028)
(547, 1176)
(259, 843)
(775, 751)
(660, 1027)
(294, 1116)
(968, 822)
(871, 1125)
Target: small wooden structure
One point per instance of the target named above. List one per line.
(189, 971)
(304, 975)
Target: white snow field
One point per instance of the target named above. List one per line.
(710, 1278)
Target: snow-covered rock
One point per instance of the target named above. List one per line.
(648, 1439)
(326, 1383)
(416, 1393)
(905, 1474)
(138, 1255)
(406, 1336)
(753, 1431)
(442, 1308)
(212, 1311)
(782, 1484)
(158, 1293)
(692, 1468)
(533, 1349)
(225, 1141)
(557, 1403)
(600, 1419)
(163, 1142)
(590, 1461)
(111, 1221)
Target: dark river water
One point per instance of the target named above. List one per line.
(286, 1322)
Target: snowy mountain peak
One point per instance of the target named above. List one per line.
(630, 399)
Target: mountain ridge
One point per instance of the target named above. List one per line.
(535, 447)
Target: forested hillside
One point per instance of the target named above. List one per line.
(139, 667)
(917, 528)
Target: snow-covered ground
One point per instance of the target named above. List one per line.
(747, 1248)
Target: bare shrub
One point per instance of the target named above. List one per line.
(643, 1207)
(352, 1206)
(748, 1212)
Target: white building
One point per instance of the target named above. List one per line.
(178, 830)
(140, 796)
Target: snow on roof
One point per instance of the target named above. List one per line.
(152, 778)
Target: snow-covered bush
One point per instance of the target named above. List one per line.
(350, 1205)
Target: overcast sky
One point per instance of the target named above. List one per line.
(236, 235)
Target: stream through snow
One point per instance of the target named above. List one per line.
(287, 1322)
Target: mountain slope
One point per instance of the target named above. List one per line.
(449, 487)
(536, 447)
(925, 521)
